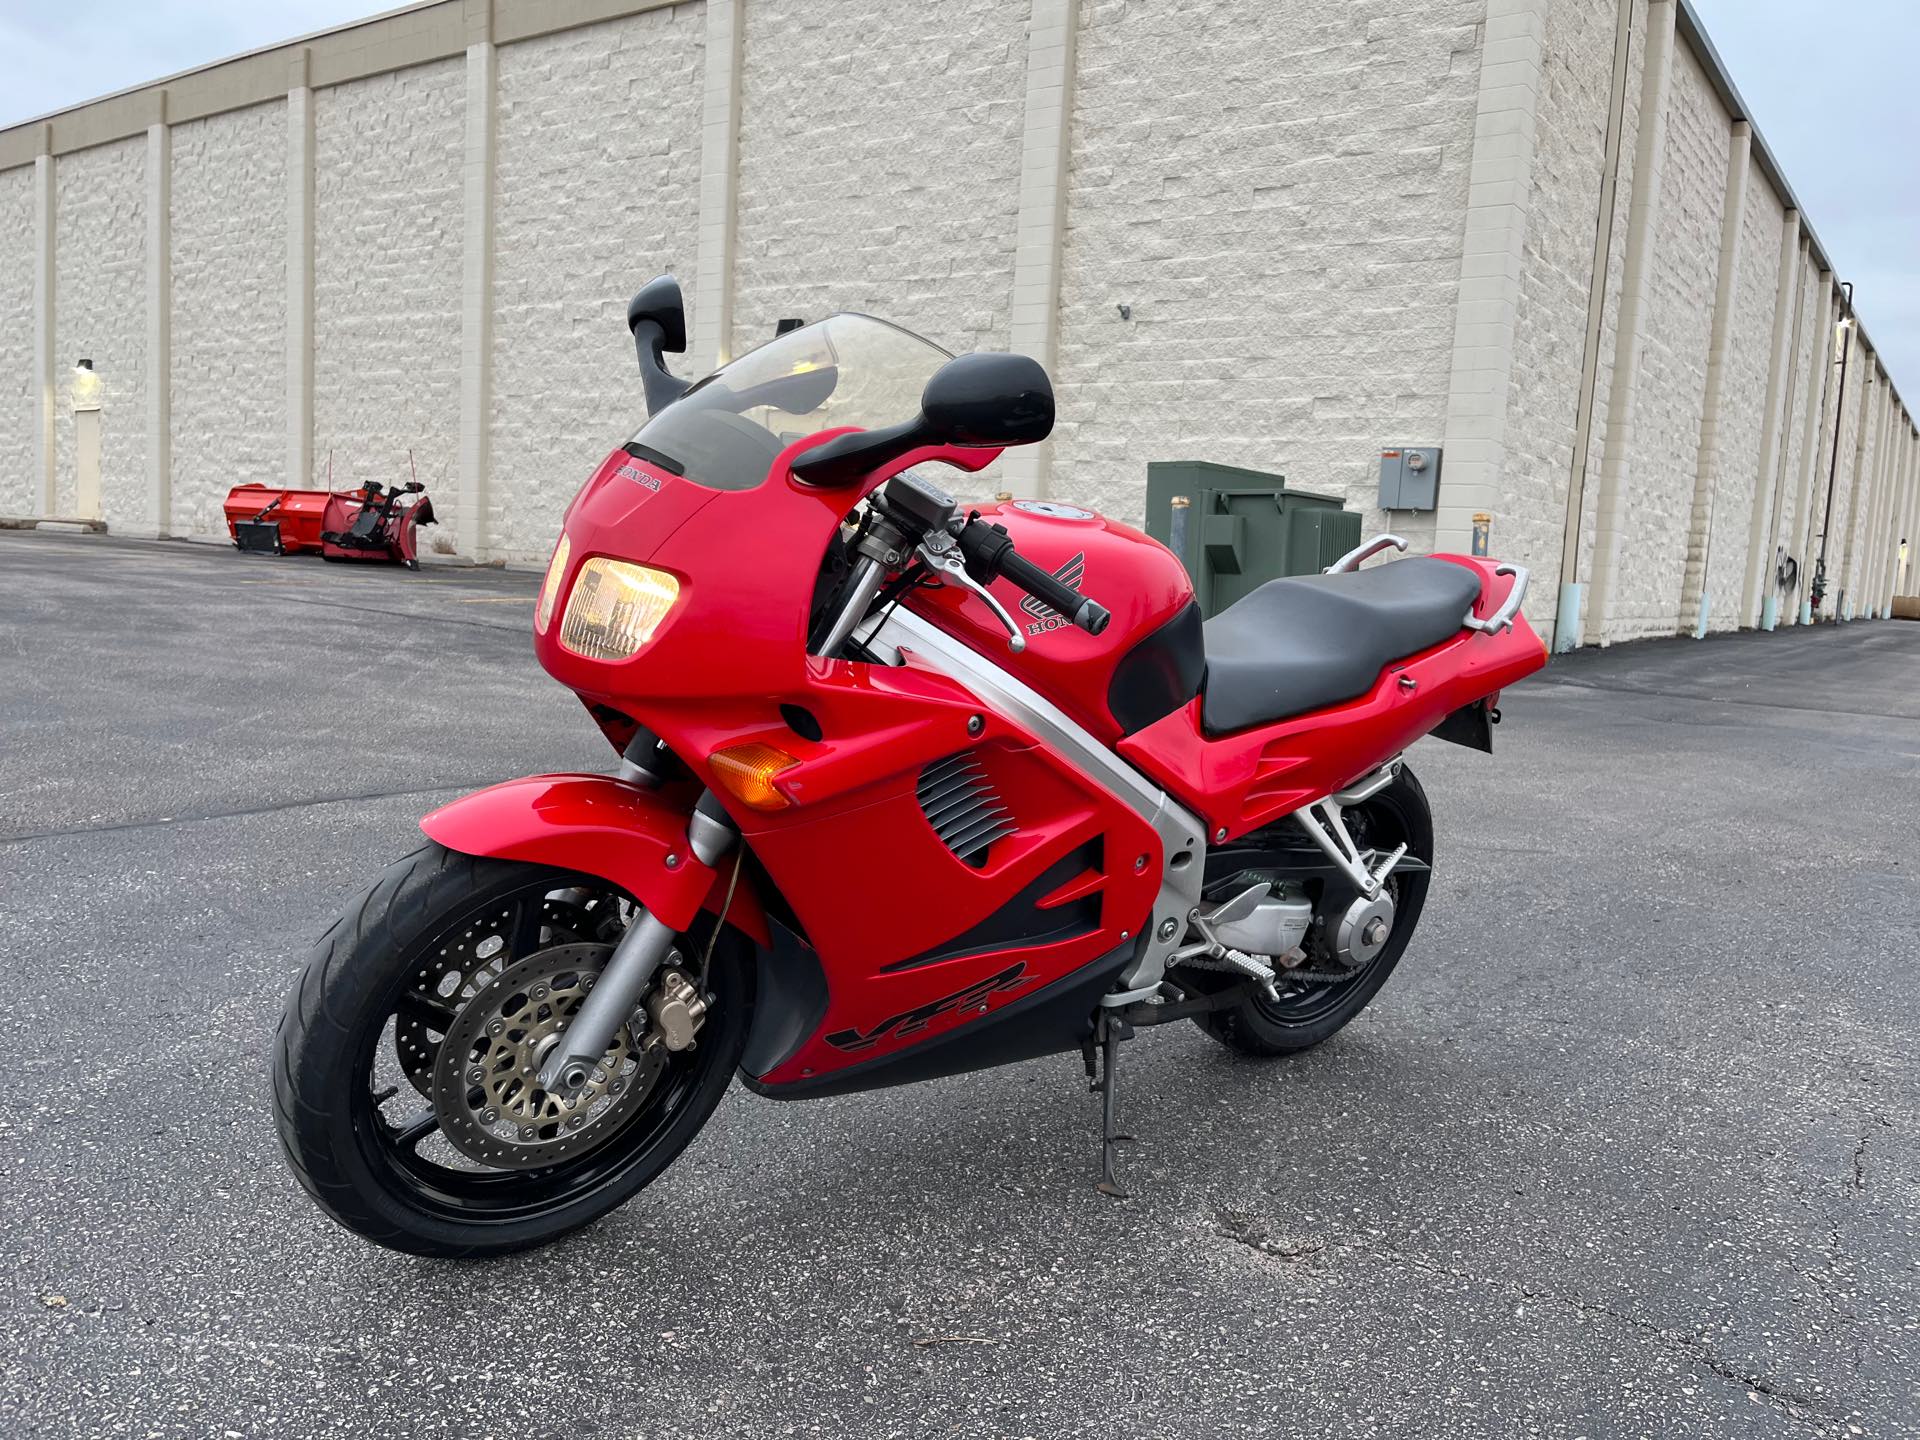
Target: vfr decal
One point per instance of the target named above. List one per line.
(1045, 617)
(913, 1021)
(635, 473)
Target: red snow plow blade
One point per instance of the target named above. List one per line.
(372, 523)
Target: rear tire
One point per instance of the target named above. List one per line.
(1261, 1028)
(335, 1040)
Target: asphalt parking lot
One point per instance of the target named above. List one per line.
(1626, 1148)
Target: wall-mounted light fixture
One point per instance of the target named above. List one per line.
(85, 391)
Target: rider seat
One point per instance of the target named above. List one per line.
(1310, 641)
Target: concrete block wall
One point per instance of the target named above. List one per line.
(1864, 493)
(1743, 404)
(1807, 380)
(100, 313)
(1330, 228)
(571, 241)
(386, 279)
(879, 165)
(1669, 399)
(229, 304)
(1834, 483)
(19, 409)
(229, 308)
(1556, 280)
(1612, 283)
(1287, 240)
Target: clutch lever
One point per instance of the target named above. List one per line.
(942, 557)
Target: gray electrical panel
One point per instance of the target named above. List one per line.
(1409, 477)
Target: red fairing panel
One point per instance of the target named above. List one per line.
(884, 904)
(597, 826)
(1241, 781)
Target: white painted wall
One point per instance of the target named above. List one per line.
(879, 165)
(594, 194)
(1551, 313)
(386, 279)
(100, 313)
(1290, 198)
(1277, 191)
(229, 412)
(1743, 403)
(1673, 366)
(18, 412)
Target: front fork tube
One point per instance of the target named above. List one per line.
(636, 959)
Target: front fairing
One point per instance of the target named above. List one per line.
(730, 666)
(900, 924)
(745, 560)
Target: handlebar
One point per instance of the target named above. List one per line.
(989, 554)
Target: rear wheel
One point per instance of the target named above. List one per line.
(404, 1064)
(1310, 1011)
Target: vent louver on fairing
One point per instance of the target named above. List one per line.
(963, 807)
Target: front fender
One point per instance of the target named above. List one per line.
(599, 826)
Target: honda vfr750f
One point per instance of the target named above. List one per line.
(904, 789)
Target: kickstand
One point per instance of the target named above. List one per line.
(1109, 1031)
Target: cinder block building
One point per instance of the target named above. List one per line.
(1540, 240)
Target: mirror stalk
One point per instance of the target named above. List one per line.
(662, 387)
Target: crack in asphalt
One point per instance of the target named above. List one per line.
(1828, 1277)
(1788, 1401)
(1246, 1232)
(1860, 1150)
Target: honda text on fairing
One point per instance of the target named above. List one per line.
(905, 789)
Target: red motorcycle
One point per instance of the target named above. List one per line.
(903, 791)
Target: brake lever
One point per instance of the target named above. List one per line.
(942, 557)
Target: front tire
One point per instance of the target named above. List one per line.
(359, 1090)
(1300, 1020)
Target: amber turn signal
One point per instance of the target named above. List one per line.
(748, 772)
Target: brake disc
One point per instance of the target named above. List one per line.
(485, 1085)
(468, 962)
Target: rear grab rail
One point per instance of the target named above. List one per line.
(1503, 618)
(1366, 550)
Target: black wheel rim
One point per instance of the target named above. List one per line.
(391, 1130)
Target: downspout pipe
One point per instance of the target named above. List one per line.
(1568, 616)
(1833, 464)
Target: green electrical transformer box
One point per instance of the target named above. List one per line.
(1236, 529)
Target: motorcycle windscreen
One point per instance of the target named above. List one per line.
(849, 370)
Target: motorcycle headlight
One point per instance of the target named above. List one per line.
(614, 608)
(550, 591)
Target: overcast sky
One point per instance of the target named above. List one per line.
(1829, 85)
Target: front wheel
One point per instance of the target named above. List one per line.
(404, 1066)
(1307, 1013)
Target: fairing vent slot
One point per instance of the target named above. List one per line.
(963, 807)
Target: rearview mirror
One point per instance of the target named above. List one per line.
(980, 401)
(989, 399)
(659, 301)
(657, 316)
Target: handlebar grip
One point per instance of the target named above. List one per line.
(1054, 593)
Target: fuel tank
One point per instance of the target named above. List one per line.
(1147, 663)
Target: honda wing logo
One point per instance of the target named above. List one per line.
(1045, 617)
